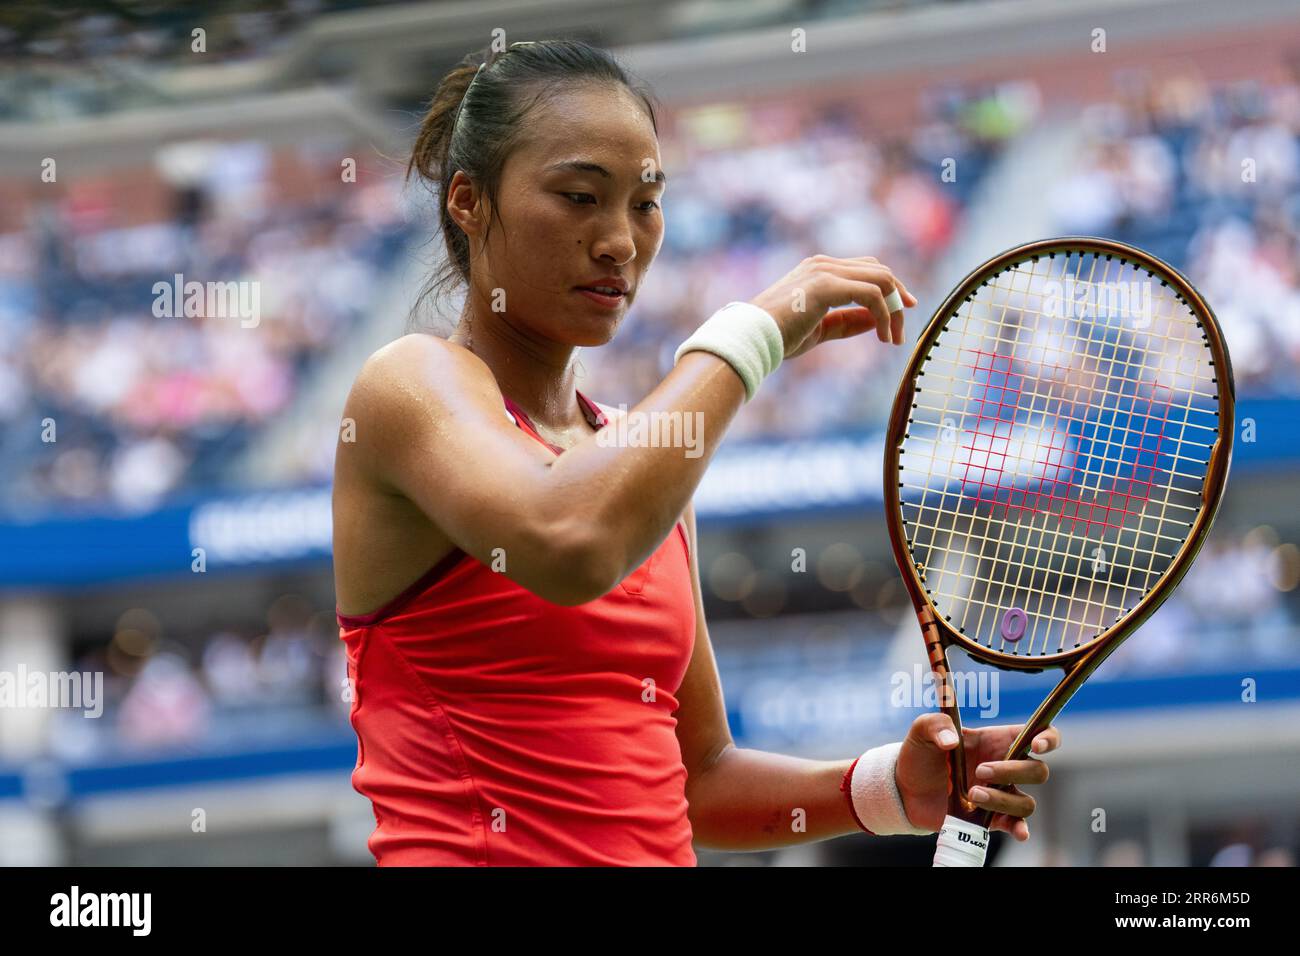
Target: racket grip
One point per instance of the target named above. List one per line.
(961, 843)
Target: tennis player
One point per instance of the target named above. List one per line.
(532, 678)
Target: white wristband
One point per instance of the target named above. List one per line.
(745, 337)
(874, 792)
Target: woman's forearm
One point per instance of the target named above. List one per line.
(753, 800)
(632, 493)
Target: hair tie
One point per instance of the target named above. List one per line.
(460, 107)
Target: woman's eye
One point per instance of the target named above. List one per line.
(579, 199)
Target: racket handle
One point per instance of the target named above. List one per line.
(961, 843)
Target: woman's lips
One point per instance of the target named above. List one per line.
(601, 298)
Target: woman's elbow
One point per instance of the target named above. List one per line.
(577, 565)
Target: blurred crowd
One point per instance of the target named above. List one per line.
(1205, 176)
(145, 407)
(101, 398)
(121, 406)
(226, 687)
(87, 34)
(1238, 602)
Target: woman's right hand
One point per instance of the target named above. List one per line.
(802, 302)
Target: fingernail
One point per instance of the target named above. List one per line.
(978, 793)
(983, 772)
(1040, 745)
(948, 738)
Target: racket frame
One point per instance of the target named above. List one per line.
(940, 636)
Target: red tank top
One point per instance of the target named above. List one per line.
(496, 728)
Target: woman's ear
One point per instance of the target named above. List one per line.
(464, 203)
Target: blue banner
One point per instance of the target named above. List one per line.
(747, 481)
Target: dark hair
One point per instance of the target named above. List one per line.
(477, 133)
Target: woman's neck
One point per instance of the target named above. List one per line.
(536, 374)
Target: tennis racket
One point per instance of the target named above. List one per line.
(1056, 454)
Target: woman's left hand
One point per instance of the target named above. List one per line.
(922, 772)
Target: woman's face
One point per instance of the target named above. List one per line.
(579, 203)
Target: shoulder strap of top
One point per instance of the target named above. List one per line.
(595, 417)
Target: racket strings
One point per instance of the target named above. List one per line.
(991, 380)
(1048, 457)
(1089, 599)
(1111, 361)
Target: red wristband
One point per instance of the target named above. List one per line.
(848, 795)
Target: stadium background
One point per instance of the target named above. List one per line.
(225, 688)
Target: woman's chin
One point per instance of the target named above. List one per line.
(592, 334)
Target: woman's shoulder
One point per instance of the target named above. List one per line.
(416, 348)
(424, 367)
